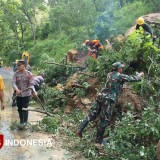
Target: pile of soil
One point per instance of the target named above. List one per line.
(130, 97)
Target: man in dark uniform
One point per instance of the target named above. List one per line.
(146, 27)
(105, 101)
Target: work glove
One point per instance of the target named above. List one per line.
(92, 50)
(141, 74)
(34, 94)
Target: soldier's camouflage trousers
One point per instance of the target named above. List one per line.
(105, 110)
(102, 109)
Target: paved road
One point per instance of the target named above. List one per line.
(24, 152)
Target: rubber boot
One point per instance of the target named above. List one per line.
(21, 119)
(25, 116)
(82, 127)
(99, 137)
(14, 103)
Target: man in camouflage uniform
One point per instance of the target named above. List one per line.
(105, 101)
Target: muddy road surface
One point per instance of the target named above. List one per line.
(24, 144)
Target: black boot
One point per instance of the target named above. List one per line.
(25, 116)
(100, 133)
(21, 117)
(82, 127)
(14, 103)
(14, 100)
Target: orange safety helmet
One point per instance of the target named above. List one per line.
(95, 42)
(140, 21)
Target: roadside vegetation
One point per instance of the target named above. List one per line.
(48, 30)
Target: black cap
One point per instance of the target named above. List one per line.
(21, 62)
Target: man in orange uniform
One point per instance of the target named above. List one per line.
(2, 86)
(94, 47)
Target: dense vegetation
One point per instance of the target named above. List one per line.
(48, 29)
(132, 138)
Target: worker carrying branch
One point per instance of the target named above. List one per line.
(104, 106)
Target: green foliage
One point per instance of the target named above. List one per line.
(47, 32)
(50, 50)
(146, 88)
(117, 20)
(105, 62)
(54, 74)
(44, 31)
(49, 124)
(132, 137)
(79, 92)
(155, 4)
(52, 98)
(86, 85)
(91, 64)
(68, 30)
(14, 125)
(86, 146)
(123, 19)
(71, 17)
(135, 139)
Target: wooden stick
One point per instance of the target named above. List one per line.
(64, 65)
(34, 110)
(23, 91)
(77, 85)
(86, 74)
(67, 65)
(40, 103)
